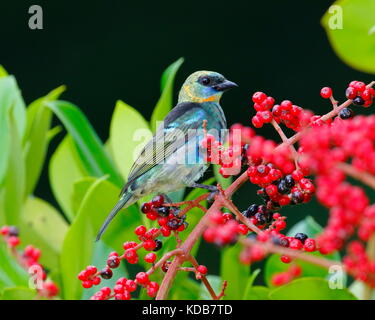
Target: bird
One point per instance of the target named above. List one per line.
(172, 158)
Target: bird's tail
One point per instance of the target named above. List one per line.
(119, 205)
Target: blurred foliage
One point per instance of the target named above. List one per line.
(350, 26)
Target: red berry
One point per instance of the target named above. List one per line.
(140, 230)
(295, 244)
(113, 262)
(91, 270)
(285, 259)
(351, 93)
(202, 269)
(118, 288)
(4, 230)
(87, 284)
(130, 254)
(142, 278)
(257, 122)
(242, 229)
(309, 245)
(151, 292)
(129, 244)
(13, 241)
(259, 97)
(130, 285)
(149, 245)
(158, 201)
(106, 273)
(83, 276)
(150, 257)
(326, 92)
(96, 281)
(146, 207)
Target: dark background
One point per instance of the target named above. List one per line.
(109, 50)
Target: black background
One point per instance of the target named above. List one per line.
(109, 50)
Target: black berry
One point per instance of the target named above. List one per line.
(250, 211)
(358, 101)
(159, 245)
(289, 181)
(301, 237)
(260, 218)
(346, 113)
(282, 187)
(164, 211)
(297, 197)
(106, 273)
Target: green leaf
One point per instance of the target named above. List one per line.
(187, 289)
(14, 182)
(234, 272)
(89, 147)
(10, 102)
(65, 168)
(38, 122)
(165, 103)
(249, 284)
(3, 72)
(79, 243)
(257, 293)
(354, 42)
(18, 293)
(310, 289)
(216, 284)
(11, 273)
(43, 227)
(129, 132)
(308, 226)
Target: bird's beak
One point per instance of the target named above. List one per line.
(226, 85)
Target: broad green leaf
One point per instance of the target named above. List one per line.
(14, 182)
(354, 40)
(129, 132)
(249, 284)
(234, 272)
(43, 227)
(3, 72)
(79, 243)
(216, 284)
(310, 289)
(165, 103)
(11, 273)
(18, 293)
(187, 289)
(257, 293)
(10, 101)
(89, 147)
(80, 188)
(65, 168)
(37, 137)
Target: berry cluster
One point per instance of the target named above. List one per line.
(124, 287)
(293, 116)
(223, 229)
(29, 259)
(360, 95)
(358, 263)
(169, 218)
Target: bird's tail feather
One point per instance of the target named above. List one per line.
(119, 205)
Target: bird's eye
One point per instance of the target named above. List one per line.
(205, 81)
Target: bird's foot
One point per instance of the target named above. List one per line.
(214, 190)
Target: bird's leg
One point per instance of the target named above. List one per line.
(213, 190)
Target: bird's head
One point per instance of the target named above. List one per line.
(203, 86)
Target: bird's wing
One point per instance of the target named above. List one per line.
(168, 138)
